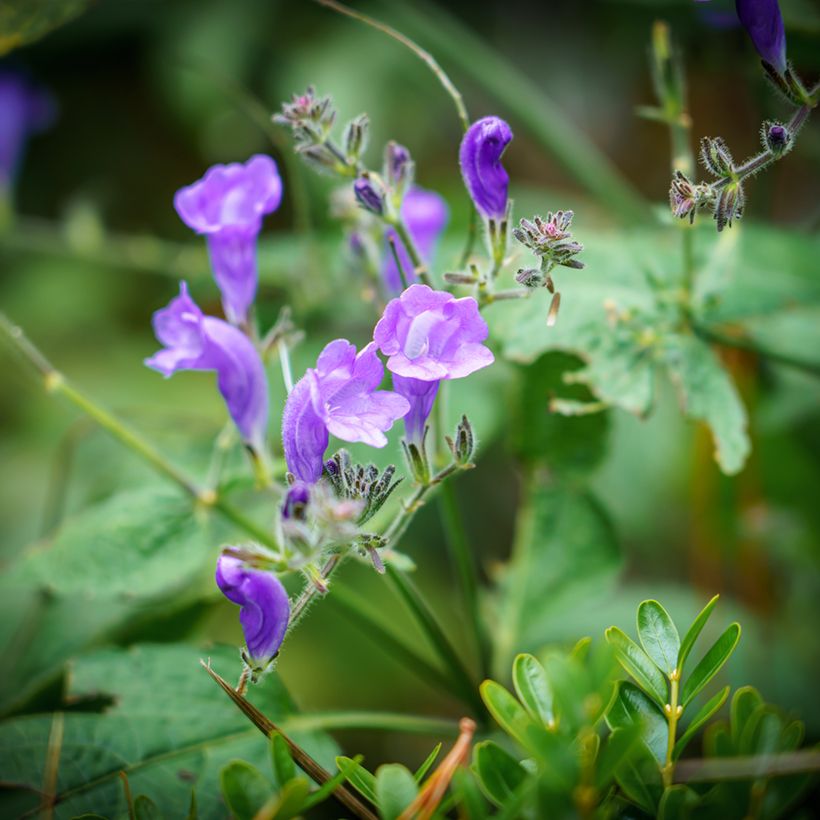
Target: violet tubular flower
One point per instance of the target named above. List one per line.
(340, 397)
(480, 158)
(193, 341)
(764, 25)
(429, 335)
(425, 215)
(265, 607)
(226, 206)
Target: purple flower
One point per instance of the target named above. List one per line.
(24, 110)
(265, 606)
(425, 215)
(227, 206)
(338, 396)
(764, 24)
(429, 335)
(193, 341)
(480, 158)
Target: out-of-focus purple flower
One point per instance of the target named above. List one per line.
(764, 24)
(24, 110)
(429, 335)
(265, 606)
(193, 341)
(425, 214)
(338, 396)
(480, 159)
(227, 206)
(296, 500)
(368, 195)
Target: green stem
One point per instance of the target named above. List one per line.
(311, 591)
(419, 267)
(673, 712)
(467, 572)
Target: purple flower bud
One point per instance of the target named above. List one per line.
(425, 214)
(227, 206)
(776, 138)
(398, 167)
(367, 196)
(24, 110)
(764, 24)
(480, 159)
(193, 341)
(265, 607)
(429, 335)
(296, 501)
(338, 396)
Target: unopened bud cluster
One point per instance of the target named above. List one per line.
(550, 238)
(365, 484)
(462, 444)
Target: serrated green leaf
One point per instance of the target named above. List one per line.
(708, 394)
(284, 769)
(658, 636)
(428, 762)
(639, 665)
(245, 789)
(564, 551)
(745, 702)
(710, 664)
(498, 772)
(706, 712)
(165, 724)
(678, 803)
(395, 790)
(533, 690)
(360, 778)
(632, 707)
(694, 631)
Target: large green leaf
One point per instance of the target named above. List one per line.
(24, 21)
(167, 725)
(564, 550)
(136, 556)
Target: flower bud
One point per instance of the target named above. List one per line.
(776, 138)
(356, 137)
(462, 445)
(730, 204)
(296, 501)
(480, 159)
(682, 197)
(398, 168)
(530, 277)
(716, 158)
(368, 195)
(764, 25)
(417, 462)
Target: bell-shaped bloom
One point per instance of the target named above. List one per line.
(338, 396)
(425, 214)
(422, 396)
(24, 110)
(480, 159)
(429, 335)
(193, 341)
(265, 606)
(227, 206)
(764, 24)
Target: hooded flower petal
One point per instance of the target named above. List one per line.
(193, 341)
(265, 606)
(764, 24)
(480, 159)
(425, 214)
(227, 206)
(338, 396)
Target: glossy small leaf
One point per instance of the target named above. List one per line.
(639, 665)
(694, 631)
(640, 778)
(360, 778)
(395, 790)
(498, 772)
(658, 636)
(632, 707)
(507, 711)
(706, 712)
(710, 664)
(744, 703)
(245, 789)
(429, 761)
(533, 689)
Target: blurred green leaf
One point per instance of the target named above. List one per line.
(639, 665)
(632, 707)
(745, 702)
(706, 712)
(24, 21)
(564, 550)
(284, 769)
(658, 636)
(710, 664)
(498, 772)
(619, 745)
(146, 809)
(507, 712)
(245, 789)
(640, 778)
(428, 762)
(533, 689)
(468, 795)
(678, 803)
(694, 631)
(164, 723)
(395, 790)
(360, 778)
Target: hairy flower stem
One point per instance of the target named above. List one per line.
(311, 590)
(56, 384)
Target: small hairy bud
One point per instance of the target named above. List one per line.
(308, 116)
(356, 137)
(398, 169)
(550, 238)
(530, 277)
(776, 138)
(730, 204)
(462, 445)
(716, 157)
(369, 195)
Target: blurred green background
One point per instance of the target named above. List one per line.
(151, 93)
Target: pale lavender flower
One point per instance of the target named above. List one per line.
(480, 159)
(193, 341)
(265, 607)
(425, 214)
(340, 397)
(24, 110)
(429, 335)
(227, 206)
